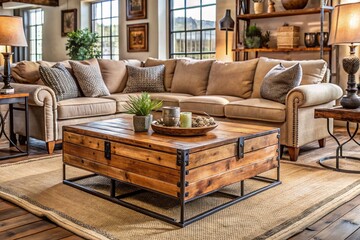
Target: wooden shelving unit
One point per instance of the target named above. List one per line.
(247, 17)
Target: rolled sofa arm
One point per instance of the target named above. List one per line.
(39, 95)
(313, 94)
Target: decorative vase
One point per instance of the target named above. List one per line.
(310, 39)
(258, 7)
(142, 123)
(325, 38)
(294, 4)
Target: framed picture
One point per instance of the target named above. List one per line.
(136, 9)
(138, 35)
(68, 21)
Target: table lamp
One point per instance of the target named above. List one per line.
(345, 30)
(227, 24)
(11, 34)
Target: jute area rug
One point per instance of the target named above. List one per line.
(305, 195)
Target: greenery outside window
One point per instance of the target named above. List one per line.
(192, 28)
(105, 22)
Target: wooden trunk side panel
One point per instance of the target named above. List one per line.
(212, 155)
(206, 171)
(123, 163)
(254, 144)
(224, 179)
(142, 154)
(121, 175)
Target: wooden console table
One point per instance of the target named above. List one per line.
(348, 115)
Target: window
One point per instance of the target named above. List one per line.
(105, 22)
(35, 30)
(192, 28)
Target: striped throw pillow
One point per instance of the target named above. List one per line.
(60, 80)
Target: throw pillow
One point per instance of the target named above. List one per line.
(279, 81)
(60, 80)
(145, 79)
(191, 76)
(114, 73)
(170, 65)
(89, 77)
(26, 72)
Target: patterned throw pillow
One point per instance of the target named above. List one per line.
(279, 81)
(145, 79)
(90, 80)
(60, 80)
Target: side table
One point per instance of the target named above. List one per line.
(12, 99)
(348, 115)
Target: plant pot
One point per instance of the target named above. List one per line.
(142, 123)
(294, 4)
(258, 7)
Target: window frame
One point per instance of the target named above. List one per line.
(101, 36)
(185, 31)
(38, 57)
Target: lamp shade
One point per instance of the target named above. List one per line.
(345, 24)
(227, 23)
(12, 31)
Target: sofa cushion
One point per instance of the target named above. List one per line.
(26, 72)
(121, 100)
(114, 73)
(279, 81)
(232, 78)
(60, 81)
(145, 79)
(191, 76)
(314, 71)
(85, 107)
(170, 65)
(170, 99)
(256, 109)
(212, 105)
(89, 78)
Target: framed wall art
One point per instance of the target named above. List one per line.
(136, 9)
(68, 21)
(138, 35)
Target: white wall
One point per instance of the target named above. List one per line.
(53, 42)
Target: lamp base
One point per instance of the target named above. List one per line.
(7, 90)
(350, 101)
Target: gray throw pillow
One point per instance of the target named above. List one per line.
(279, 81)
(145, 79)
(60, 80)
(90, 79)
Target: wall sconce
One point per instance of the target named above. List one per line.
(227, 24)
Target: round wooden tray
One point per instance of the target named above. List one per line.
(178, 131)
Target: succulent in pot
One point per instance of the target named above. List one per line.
(141, 106)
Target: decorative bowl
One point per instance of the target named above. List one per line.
(178, 131)
(294, 4)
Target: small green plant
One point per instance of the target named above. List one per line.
(265, 39)
(142, 105)
(253, 37)
(82, 45)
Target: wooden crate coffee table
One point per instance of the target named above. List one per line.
(184, 168)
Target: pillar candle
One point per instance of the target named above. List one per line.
(185, 119)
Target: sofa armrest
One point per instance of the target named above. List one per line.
(39, 95)
(313, 94)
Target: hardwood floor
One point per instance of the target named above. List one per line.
(342, 223)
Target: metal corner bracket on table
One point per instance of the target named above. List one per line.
(182, 162)
(339, 150)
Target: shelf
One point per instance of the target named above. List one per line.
(299, 49)
(283, 13)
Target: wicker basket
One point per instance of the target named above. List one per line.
(288, 37)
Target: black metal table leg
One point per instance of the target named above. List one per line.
(339, 150)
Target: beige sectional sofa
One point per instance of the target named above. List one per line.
(228, 91)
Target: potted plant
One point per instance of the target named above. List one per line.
(141, 106)
(253, 37)
(82, 45)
